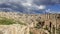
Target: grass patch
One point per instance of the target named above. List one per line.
(6, 21)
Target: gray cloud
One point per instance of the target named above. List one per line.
(37, 2)
(46, 2)
(27, 5)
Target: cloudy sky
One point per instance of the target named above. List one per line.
(31, 6)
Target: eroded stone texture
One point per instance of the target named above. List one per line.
(14, 29)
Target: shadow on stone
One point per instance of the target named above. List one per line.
(1, 32)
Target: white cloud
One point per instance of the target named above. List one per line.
(42, 7)
(51, 11)
(48, 10)
(26, 4)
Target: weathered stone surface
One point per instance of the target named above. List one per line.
(30, 20)
(14, 29)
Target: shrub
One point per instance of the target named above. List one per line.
(40, 24)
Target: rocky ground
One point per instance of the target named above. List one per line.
(35, 23)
